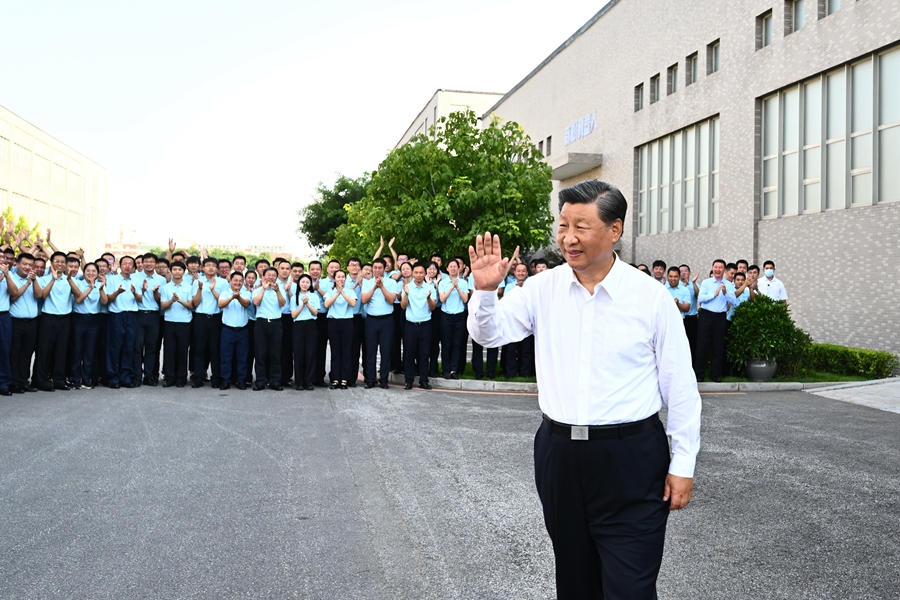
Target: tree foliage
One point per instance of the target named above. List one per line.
(20, 223)
(320, 220)
(436, 193)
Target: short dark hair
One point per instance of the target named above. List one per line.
(73, 259)
(224, 260)
(24, 255)
(55, 254)
(273, 269)
(298, 264)
(740, 274)
(105, 254)
(179, 264)
(378, 261)
(354, 259)
(753, 268)
(151, 256)
(659, 263)
(314, 262)
(688, 267)
(163, 261)
(139, 256)
(278, 260)
(731, 266)
(192, 259)
(769, 262)
(240, 257)
(419, 266)
(210, 260)
(235, 274)
(739, 261)
(131, 258)
(611, 204)
(180, 253)
(540, 261)
(261, 261)
(719, 260)
(334, 260)
(675, 269)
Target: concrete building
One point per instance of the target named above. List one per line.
(756, 129)
(442, 104)
(49, 183)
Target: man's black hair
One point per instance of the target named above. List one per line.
(611, 204)
(675, 269)
(731, 266)
(769, 262)
(659, 263)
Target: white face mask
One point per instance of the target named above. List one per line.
(770, 272)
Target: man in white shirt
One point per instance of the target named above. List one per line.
(610, 349)
(770, 285)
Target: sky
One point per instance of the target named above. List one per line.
(217, 120)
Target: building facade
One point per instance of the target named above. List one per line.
(442, 104)
(756, 129)
(49, 183)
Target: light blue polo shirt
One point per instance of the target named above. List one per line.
(209, 305)
(306, 314)
(690, 288)
(509, 287)
(717, 304)
(268, 308)
(148, 301)
(59, 301)
(453, 305)
(4, 294)
(417, 306)
(235, 315)
(177, 313)
(25, 306)
(377, 306)
(745, 295)
(350, 286)
(325, 287)
(125, 301)
(91, 303)
(340, 309)
(680, 292)
(287, 290)
(251, 310)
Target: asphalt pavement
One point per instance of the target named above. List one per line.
(166, 493)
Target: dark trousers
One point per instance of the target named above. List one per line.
(321, 347)
(436, 344)
(120, 333)
(518, 358)
(399, 327)
(145, 338)
(463, 344)
(251, 350)
(379, 338)
(98, 369)
(453, 329)
(690, 328)
(84, 335)
(206, 345)
(161, 324)
(5, 343)
(603, 508)
(21, 349)
(340, 334)
(478, 360)
(178, 336)
(52, 346)
(287, 349)
(304, 334)
(416, 346)
(358, 347)
(711, 330)
(233, 350)
(267, 342)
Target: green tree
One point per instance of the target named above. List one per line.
(436, 193)
(320, 220)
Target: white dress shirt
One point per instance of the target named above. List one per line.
(610, 357)
(773, 288)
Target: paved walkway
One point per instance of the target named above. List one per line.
(883, 394)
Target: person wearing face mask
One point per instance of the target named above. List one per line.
(305, 305)
(770, 285)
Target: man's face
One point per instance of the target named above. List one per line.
(270, 277)
(209, 269)
(742, 268)
(540, 267)
(729, 274)
(261, 270)
(437, 260)
(39, 266)
(58, 264)
(739, 279)
(367, 271)
(139, 263)
(685, 274)
(224, 270)
(193, 268)
(284, 271)
(521, 272)
(163, 269)
(236, 282)
(127, 266)
(102, 267)
(240, 264)
(296, 272)
(72, 268)
(177, 273)
(718, 270)
(333, 268)
(378, 270)
(250, 279)
(418, 275)
(149, 266)
(658, 272)
(401, 258)
(673, 278)
(585, 240)
(353, 268)
(753, 274)
(315, 271)
(25, 266)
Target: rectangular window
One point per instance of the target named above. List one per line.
(713, 57)
(541, 147)
(861, 111)
(798, 14)
(832, 6)
(690, 64)
(638, 97)
(21, 157)
(654, 88)
(4, 149)
(548, 145)
(889, 126)
(764, 30)
(678, 180)
(41, 166)
(672, 77)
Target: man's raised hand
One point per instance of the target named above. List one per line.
(488, 265)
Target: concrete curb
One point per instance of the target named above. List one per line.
(853, 384)
(487, 385)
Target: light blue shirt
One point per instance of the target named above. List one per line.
(177, 313)
(59, 300)
(745, 295)
(709, 301)
(453, 305)
(417, 306)
(209, 304)
(340, 308)
(268, 307)
(91, 303)
(509, 287)
(314, 301)
(287, 290)
(25, 306)
(325, 286)
(690, 288)
(235, 315)
(251, 310)
(681, 293)
(148, 300)
(124, 302)
(351, 286)
(4, 295)
(377, 306)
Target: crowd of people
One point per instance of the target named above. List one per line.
(68, 323)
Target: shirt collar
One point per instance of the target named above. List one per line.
(611, 283)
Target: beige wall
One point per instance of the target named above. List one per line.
(49, 183)
(445, 102)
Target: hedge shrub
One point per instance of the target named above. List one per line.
(872, 364)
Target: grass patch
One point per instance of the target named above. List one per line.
(811, 377)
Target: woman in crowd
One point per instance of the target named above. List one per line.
(340, 303)
(304, 309)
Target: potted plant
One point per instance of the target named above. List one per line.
(761, 335)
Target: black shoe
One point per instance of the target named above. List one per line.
(297, 387)
(351, 384)
(408, 386)
(308, 388)
(17, 390)
(168, 383)
(197, 383)
(384, 385)
(5, 393)
(132, 384)
(425, 386)
(370, 384)
(258, 388)
(225, 386)
(112, 386)
(343, 386)
(479, 377)
(454, 375)
(241, 385)
(334, 385)
(277, 387)
(320, 384)
(63, 387)
(42, 387)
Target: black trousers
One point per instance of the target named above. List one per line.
(84, 334)
(251, 350)
(690, 328)
(321, 347)
(52, 347)
(399, 327)
(146, 337)
(178, 336)
(5, 340)
(206, 344)
(98, 369)
(21, 349)
(711, 330)
(287, 349)
(453, 329)
(304, 334)
(463, 344)
(235, 341)
(358, 348)
(379, 338)
(267, 342)
(603, 508)
(159, 341)
(340, 335)
(436, 342)
(416, 347)
(478, 360)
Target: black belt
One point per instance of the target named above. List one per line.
(3, 312)
(278, 320)
(233, 328)
(148, 311)
(418, 322)
(602, 432)
(56, 316)
(379, 316)
(207, 316)
(24, 318)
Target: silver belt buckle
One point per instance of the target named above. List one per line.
(579, 432)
